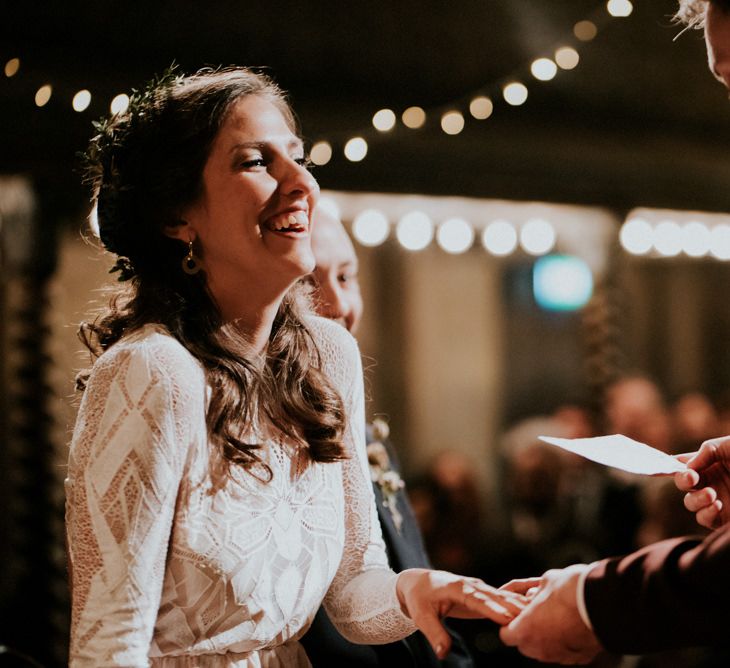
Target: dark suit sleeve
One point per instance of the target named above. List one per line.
(667, 595)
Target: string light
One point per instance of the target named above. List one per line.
(12, 67)
(370, 227)
(637, 236)
(567, 58)
(544, 69)
(119, 104)
(499, 237)
(619, 8)
(452, 122)
(515, 93)
(481, 107)
(585, 31)
(81, 100)
(414, 117)
(537, 236)
(668, 238)
(356, 149)
(695, 239)
(321, 153)
(43, 94)
(720, 241)
(455, 235)
(414, 231)
(384, 120)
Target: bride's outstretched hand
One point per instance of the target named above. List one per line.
(427, 596)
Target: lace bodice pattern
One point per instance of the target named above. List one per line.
(170, 568)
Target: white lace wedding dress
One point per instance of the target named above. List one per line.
(171, 569)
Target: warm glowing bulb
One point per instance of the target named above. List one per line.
(537, 236)
(356, 149)
(12, 67)
(567, 58)
(455, 235)
(43, 94)
(695, 239)
(370, 227)
(668, 238)
(452, 122)
(414, 231)
(481, 107)
(321, 153)
(585, 31)
(515, 93)
(414, 117)
(81, 100)
(119, 103)
(637, 236)
(720, 241)
(384, 120)
(543, 69)
(499, 237)
(619, 8)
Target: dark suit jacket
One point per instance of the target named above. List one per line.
(667, 595)
(326, 647)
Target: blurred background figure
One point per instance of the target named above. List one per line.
(636, 408)
(336, 295)
(694, 420)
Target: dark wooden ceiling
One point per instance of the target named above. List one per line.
(640, 121)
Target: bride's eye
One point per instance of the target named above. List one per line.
(254, 162)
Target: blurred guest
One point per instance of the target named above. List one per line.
(694, 420)
(337, 296)
(636, 408)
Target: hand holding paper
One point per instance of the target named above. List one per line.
(621, 452)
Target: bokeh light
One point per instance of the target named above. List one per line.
(356, 149)
(720, 241)
(499, 237)
(515, 93)
(452, 122)
(12, 67)
(414, 231)
(537, 236)
(543, 69)
(119, 104)
(81, 100)
(668, 238)
(455, 235)
(43, 94)
(370, 227)
(321, 153)
(585, 31)
(384, 120)
(695, 239)
(413, 117)
(619, 8)
(637, 236)
(481, 107)
(567, 58)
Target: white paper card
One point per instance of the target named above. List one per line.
(621, 452)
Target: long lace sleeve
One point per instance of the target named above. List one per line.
(361, 600)
(128, 453)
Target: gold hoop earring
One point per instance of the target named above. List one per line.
(190, 264)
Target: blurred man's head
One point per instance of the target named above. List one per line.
(714, 17)
(335, 279)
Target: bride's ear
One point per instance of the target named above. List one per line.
(179, 230)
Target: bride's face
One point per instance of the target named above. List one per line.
(251, 224)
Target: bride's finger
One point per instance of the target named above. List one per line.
(521, 586)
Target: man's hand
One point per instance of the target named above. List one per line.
(707, 482)
(550, 628)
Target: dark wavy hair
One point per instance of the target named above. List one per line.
(145, 165)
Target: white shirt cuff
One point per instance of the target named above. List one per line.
(580, 601)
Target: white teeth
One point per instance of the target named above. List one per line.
(294, 219)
